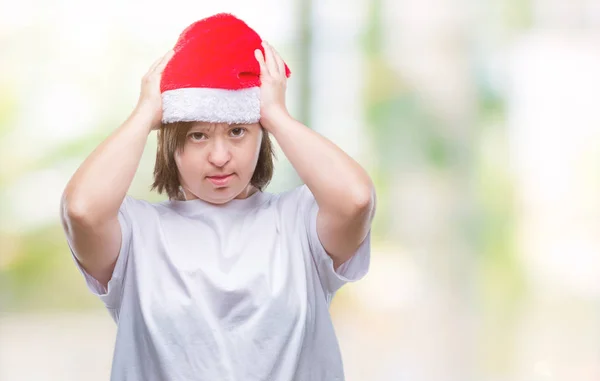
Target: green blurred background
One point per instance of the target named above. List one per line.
(478, 121)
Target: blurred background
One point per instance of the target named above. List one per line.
(478, 121)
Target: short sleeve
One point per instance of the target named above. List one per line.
(352, 270)
(111, 295)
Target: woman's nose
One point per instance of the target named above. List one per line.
(219, 153)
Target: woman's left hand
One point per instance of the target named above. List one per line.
(273, 80)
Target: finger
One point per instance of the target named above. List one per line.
(157, 63)
(261, 62)
(154, 65)
(270, 58)
(165, 60)
(280, 63)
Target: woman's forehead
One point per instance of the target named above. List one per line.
(209, 126)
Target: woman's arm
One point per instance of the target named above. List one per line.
(342, 188)
(91, 200)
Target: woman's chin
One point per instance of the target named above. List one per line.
(222, 194)
(219, 196)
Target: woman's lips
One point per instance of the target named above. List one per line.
(220, 180)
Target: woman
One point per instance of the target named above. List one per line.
(223, 281)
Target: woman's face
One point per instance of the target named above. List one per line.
(218, 160)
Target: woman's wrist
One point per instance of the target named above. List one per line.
(143, 116)
(275, 119)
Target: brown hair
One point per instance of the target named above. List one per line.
(171, 138)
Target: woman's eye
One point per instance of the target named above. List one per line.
(196, 135)
(238, 131)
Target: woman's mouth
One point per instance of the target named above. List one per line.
(220, 180)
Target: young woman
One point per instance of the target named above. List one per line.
(223, 281)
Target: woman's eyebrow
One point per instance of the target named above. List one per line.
(208, 128)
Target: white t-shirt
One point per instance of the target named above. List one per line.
(237, 292)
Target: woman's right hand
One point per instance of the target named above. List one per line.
(150, 101)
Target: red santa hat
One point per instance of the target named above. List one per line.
(213, 75)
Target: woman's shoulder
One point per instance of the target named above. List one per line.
(134, 205)
(298, 194)
(296, 198)
(296, 191)
(135, 201)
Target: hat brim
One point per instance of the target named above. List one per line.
(211, 105)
